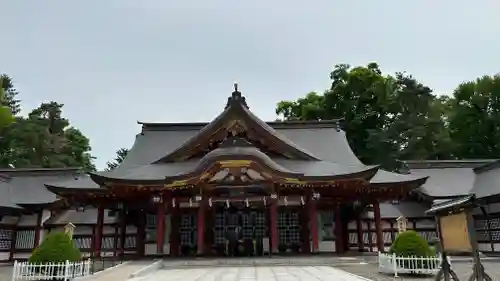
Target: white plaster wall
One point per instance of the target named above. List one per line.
(428, 223)
(79, 230)
(265, 245)
(45, 217)
(352, 225)
(4, 256)
(21, 256)
(326, 246)
(10, 220)
(28, 220)
(484, 247)
(289, 202)
(493, 208)
(150, 249)
(187, 205)
(106, 230)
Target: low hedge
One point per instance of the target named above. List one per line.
(56, 247)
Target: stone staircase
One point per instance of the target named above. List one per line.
(265, 261)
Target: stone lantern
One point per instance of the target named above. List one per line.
(402, 223)
(69, 229)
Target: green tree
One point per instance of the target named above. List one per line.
(475, 118)
(45, 139)
(42, 139)
(385, 117)
(120, 156)
(10, 94)
(417, 121)
(5, 113)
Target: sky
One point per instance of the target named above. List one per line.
(115, 62)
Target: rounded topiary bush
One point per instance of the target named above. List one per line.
(410, 243)
(56, 247)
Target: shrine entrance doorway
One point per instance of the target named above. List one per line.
(240, 231)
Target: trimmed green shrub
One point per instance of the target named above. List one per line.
(410, 243)
(56, 247)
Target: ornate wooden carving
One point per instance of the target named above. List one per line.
(236, 121)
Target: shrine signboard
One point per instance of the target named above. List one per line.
(457, 235)
(454, 232)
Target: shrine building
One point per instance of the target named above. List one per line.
(237, 186)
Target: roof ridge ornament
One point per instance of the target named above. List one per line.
(236, 98)
(235, 141)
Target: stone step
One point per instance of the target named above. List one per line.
(262, 262)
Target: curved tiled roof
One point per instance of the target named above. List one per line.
(450, 178)
(158, 172)
(323, 138)
(7, 199)
(237, 109)
(24, 187)
(318, 149)
(239, 151)
(487, 180)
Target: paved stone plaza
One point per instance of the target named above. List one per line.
(254, 273)
(462, 268)
(304, 269)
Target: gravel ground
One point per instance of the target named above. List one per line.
(462, 268)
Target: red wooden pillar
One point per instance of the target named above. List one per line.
(140, 235)
(200, 228)
(13, 239)
(38, 228)
(273, 221)
(160, 227)
(98, 231)
(115, 240)
(378, 226)
(370, 236)
(123, 230)
(313, 219)
(305, 232)
(339, 235)
(359, 232)
(174, 231)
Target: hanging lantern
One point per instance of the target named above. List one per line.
(247, 204)
(156, 199)
(316, 195)
(173, 202)
(227, 203)
(302, 200)
(210, 202)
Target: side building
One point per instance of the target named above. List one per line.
(234, 186)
